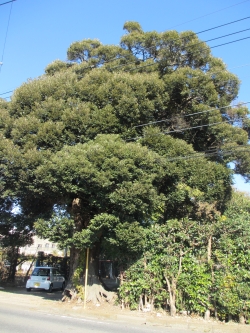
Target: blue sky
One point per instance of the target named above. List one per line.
(40, 32)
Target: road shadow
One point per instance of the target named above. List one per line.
(55, 295)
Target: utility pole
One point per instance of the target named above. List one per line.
(86, 278)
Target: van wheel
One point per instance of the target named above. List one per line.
(63, 286)
(28, 289)
(50, 288)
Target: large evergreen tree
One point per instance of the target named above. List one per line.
(166, 91)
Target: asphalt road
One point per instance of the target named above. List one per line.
(39, 311)
(14, 319)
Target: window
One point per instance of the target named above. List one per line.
(41, 272)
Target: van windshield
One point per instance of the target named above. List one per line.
(41, 272)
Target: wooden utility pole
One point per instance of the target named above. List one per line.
(86, 278)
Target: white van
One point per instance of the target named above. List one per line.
(47, 278)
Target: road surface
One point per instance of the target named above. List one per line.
(40, 312)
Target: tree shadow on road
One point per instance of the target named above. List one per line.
(55, 295)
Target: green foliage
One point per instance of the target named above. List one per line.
(69, 160)
(16, 231)
(57, 66)
(177, 251)
(232, 257)
(195, 285)
(168, 254)
(59, 228)
(83, 50)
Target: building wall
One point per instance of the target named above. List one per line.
(41, 245)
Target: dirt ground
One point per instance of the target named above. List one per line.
(43, 301)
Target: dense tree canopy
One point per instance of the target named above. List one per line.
(123, 136)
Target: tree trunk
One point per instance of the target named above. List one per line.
(12, 271)
(74, 262)
(75, 253)
(13, 258)
(242, 319)
(172, 296)
(209, 248)
(95, 291)
(207, 315)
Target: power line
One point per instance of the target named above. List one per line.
(5, 3)
(179, 38)
(92, 66)
(208, 154)
(234, 41)
(217, 11)
(209, 29)
(199, 126)
(1, 64)
(222, 70)
(233, 33)
(172, 40)
(187, 128)
(172, 65)
(222, 25)
(7, 92)
(115, 58)
(188, 115)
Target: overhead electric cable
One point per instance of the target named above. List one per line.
(191, 114)
(199, 126)
(217, 11)
(172, 65)
(187, 128)
(122, 65)
(209, 29)
(5, 3)
(1, 64)
(7, 92)
(179, 38)
(216, 27)
(233, 33)
(200, 32)
(234, 41)
(135, 68)
(222, 70)
(207, 154)
(222, 25)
